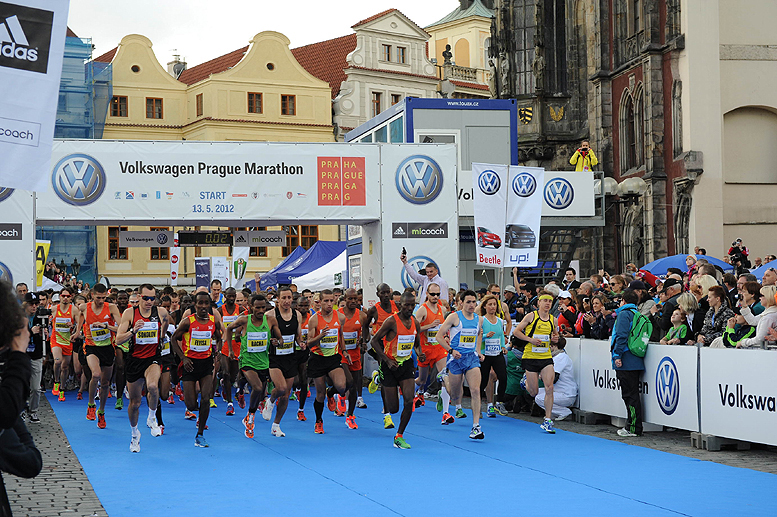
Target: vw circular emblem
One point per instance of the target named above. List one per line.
(417, 262)
(489, 182)
(667, 386)
(161, 238)
(419, 179)
(5, 273)
(78, 179)
(559, 193)
(524, 185)
(5, 193)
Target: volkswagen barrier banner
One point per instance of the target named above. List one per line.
(32, 45)
(490, 197)
(524, 214)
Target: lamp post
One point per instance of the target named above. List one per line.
(62, 266)
(76, 267)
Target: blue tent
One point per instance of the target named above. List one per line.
(760, 270)
(321, 253)
(659, 267)
(269, 278)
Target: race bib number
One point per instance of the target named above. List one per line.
(350, 339)
(62, 324)
(431, 335)
(468, 338)
(200, 340)
(287, 347)
(256, 342)
(229, 319)
(405, 345)
(493, 346)
(166, 347)
(149, 334)
(330, 339)
(99, 334)
(544, 346)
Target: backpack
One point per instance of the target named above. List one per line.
(639, 335)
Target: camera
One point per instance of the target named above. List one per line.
(43, 313)
(613, 305)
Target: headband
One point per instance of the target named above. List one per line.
(546, 297)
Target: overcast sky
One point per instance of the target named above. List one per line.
(204, 29)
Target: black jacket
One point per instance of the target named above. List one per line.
(666, 313)
(15, 372)
(18, 456)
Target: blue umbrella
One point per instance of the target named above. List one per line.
(760, 270)
(660, 266)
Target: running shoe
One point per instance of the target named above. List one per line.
(342, 407)
(387, 422)
(319, 428)
(419, 400)
(91, 409)
(350, 421)
(216, 393)
(197, 424)
(230, 409)
(126, 393)
(374, 382)
(460, 413)
(199, 441)
(267, 410)
(248, 422)
(400, 443)
(170, 399)
(331, 405)
(101, 420)
(151, 421)
(276, 431)
(178, 390)
(156, 429)
(360, 403)
(293, 396)
(547, 426)
(34, 418)
(491, 412)
(23, 416)
(80, 396)
(447, 419)
(97, 395)
(62, 396)
(241, 400)
(135, 442)
(55, 389)
(119, 403)
(162, 428)
(261, 406)
(476, 433)
(301, 415)
(109, 394)
(189, 415)
(501, 409)
(213, 403)
(439, 404)
(308, 395)
(625, 433)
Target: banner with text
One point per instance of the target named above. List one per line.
(202, 271)
(175, 260)
(524, 214)
(239, 265)
(219, 270)
(490, 196)
(32, 44)
(263, 238)
(41, 254)
(146, 239)
(19, 255)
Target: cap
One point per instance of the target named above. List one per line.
(638, 284)
(510, 289)
(669, 282)
(564, 294)
(31, 298)
(55, 297)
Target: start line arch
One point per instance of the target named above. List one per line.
(148, 183)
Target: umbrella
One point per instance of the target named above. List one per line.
(660, 266)
(760, 270)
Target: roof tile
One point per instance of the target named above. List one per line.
(202, 71)
(108, 56)
(326, 59)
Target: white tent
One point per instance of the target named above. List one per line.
(326, 276)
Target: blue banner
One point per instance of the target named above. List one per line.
(202, 270)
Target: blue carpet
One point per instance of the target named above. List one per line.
(516, 470)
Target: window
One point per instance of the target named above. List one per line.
(114, 251)
(395, 98)
(153, 108)
(198, 102)
(288, 104)
(555, 77)
(119, 106)
(525, 27)
(636, 15)
(309, 236)
(292, 240)
(386, 52)
(401, 55)
(254, 103)
(396, 130)
(160, 253)
(305, 236)
(632, 130)
(376, 102)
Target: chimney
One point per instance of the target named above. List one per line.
(176, 66)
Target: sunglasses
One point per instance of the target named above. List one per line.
(148, 298)
(433, 294)
(496, 293)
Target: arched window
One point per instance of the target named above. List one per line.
(639, 126)
(486, 45)
(632, 129)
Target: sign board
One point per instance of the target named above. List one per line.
(146, 239)
(18, 249)
(244, 238)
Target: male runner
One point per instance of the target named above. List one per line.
(402, 334)
(144, 327)
(216, 295)
(67, 328)
(195, 342)
(122, 302)
(464, 343)
(378, 313)
(212, 310)
(283, 363)
(256, 330)
(430, 316)
(325, 340)
(302, 354)
(100, 322)
(230, 311)
(354, 345)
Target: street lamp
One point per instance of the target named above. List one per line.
(76, 267)
(62, 266)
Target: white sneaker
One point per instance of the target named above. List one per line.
(151, 421)
(135, 443)
(360, 403)
(276, 431)
(267, 410)
(625, 433)
(126, 393)
(155, 429)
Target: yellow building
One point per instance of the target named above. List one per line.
(256, 93)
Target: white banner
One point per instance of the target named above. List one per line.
(524, 213)
(146, 239)
(17, 237)
(739, 394)
(175, 260)
(259, 238)
(219, 270)
(32, 44)
(237, 272)
(490, 192)
(668, 385)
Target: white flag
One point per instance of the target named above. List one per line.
(524, 214)
(175, 258)
(239, 266)
(490, 202)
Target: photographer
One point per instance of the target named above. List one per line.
(584, 158)
(37, 325)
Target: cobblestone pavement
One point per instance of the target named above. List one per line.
(62, 488)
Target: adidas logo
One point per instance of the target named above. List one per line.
(13, 41)
(240, 238)
(399, 231)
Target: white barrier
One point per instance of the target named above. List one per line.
(739, 394)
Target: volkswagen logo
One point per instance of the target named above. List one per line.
(417, 262)
(419, 179)
(489, 182)
(5, 273)
(78, 179)
(5, 193)
(524, 184)
(161, 238)
(667, 386)
(559, 193)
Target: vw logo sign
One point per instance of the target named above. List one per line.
(419, 179)
(667, 386)
(524, 185)
(559, 193)
(5, 273)
(417, 262)
(5, 193)
(489, 182)
(78, 179)
(161, 238)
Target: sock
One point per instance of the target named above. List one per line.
(319, 407)
(91, 405)
(151, 413)
(446, 400)
(276, 426)
(398, 435)
(458, 406)
(135, 430)
(159, 414)
(490, 405)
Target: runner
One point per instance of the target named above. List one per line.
(301, 354)
(195, 342)
(67, 328)
(122, 302)
(537, 357)
(283, 363)
(464, 343)
(430, 316)
(354, 344)
(213, 311)
(493, 349)
(144, 327)
(502, 312)
(254, 360)
(402, 335)
(167, 366)
(230, 311)
(100, 326)
(325, 360)
(216, 296)
(378, 313)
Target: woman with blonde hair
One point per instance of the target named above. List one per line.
(766, 323)
(694, 314)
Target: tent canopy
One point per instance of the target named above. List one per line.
(319, 255)
(271, 277)
(660, 266)
(760, 270)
